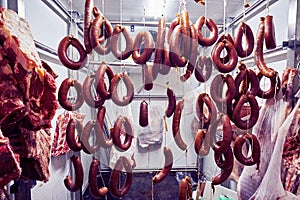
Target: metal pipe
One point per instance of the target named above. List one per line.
(256, 7)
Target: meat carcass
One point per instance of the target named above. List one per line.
(9, 163)
(27, 96)
(271, 186)
(271, 116)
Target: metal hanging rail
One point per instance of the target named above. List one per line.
(255, 8)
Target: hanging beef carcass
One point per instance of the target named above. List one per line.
(27, 96)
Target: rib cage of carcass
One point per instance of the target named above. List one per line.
(27, 96)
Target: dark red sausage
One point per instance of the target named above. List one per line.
(93, 99)
(202, 99)
(231, 52)
(100, 23)
(88, 8)
(258, 52)
(171, 102)
(147, 70)
(69, 183)
(137, 56)
(114, 43)
(167, 166)
(99, 129)
(199, 141)
(186, 33)
(221, 177)
(93, 181)
(185, 189)
(65, 59)
(176, 126)
(224, 159)
(100, 80)
(241, 81)
(63, 94)
(87, 130)
(71, 137)
(253, 80)
(269, 33)
(116, 133)
(173, 24)
(193, 55)
(224, 144)
(159, 45)
(165, 67)
(251, 121)
(254, 158)
(212, 27)
(244, 30)
(203, 68)
(216, 90)
(175, 54)
(114, 181)
(272, 91)
(143, 117)
(114, 92)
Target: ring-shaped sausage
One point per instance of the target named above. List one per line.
(93, 100)
(93, 180)
(73, 125)
(251, 121)
(244, 29)
(114, 181)
(192, 55)
(254, 158)
(224, 144)
(176, 125)
(253, 80)
(100, 80)
(203, 68)
(143, 37)
(68, 181)
(129, 86)
(143, 115)
(259, 54)
(224, 159)
(202, 99)
(116, 133)
(100, 129)
(272, 91)
(123, 55)
(269, 33)
(231, 52)
(98, 24)
(176, 56)
(87, 130)
(65, 59)
(241, 81)
(216, 90)
(163, 173)
(223, 37)
(147, 72)
(212, 27)
(63, 94)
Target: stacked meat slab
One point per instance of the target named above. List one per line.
(27, 102)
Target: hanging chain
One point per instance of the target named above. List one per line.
(224, 22)
(144, 14)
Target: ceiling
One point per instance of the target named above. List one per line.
(133, 10)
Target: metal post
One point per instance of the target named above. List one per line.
(18, 6)
(293, 32)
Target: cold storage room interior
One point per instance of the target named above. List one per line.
(149, 99)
